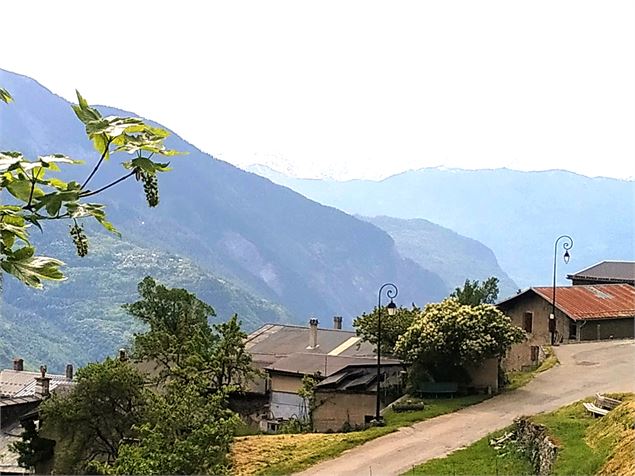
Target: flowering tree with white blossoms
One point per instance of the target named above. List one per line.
(448, 335)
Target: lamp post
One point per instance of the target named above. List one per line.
(567, 245)
(391, 292)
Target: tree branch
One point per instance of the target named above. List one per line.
(105, 187)
(110, 448)
(101, 159)
(44, 217)
(33, 181)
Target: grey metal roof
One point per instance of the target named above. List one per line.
(350, 379)
(608, 270)
(8, 402)
(309, 364)
(282, 340)
(14, 383)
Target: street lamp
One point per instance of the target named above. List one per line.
(567, 245)
(391, 292)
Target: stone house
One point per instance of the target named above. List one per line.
(583, 313)
(348, 397)
(286, 353)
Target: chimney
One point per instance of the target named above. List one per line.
(69, 371)
(337, 322)
(313, 328)
(42, 384)
(18, 364)
(123, 355)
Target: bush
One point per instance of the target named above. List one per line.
(408, 407)
(409, 404)
(294, 426)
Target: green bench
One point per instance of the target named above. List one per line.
(436, 388)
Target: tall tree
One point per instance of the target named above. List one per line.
(392, 327)
(37, 195)
(229, 365)
(177, 323)
(474, 293)
(181, 341)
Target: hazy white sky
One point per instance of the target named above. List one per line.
(352, 89)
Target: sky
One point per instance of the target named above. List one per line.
(352, 89)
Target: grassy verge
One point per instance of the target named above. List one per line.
(478, 458)
(285, 454)
(587, 446)
(520, 378)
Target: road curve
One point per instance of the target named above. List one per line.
(584, 369)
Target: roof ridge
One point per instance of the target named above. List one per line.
(298, 326)
(583, 286)
(31, 372)
(599, 263)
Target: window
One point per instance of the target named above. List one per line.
(535, 353)
(528, 322)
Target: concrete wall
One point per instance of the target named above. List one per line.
(334, 409)
(286, 383)
(260, 383)
(607, 329)
(485, 375)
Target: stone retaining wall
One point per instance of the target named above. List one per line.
(540, 450)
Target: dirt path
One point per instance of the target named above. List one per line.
(584, 370)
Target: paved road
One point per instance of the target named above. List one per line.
(584, 370)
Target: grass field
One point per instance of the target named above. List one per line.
(285, 454)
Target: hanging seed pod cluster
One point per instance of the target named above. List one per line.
(79, 239)
(151, 188)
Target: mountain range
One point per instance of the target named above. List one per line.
(519, 215)
(443, 251)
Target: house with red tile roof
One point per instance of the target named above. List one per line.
(583, 313)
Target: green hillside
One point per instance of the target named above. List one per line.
(81, 319)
